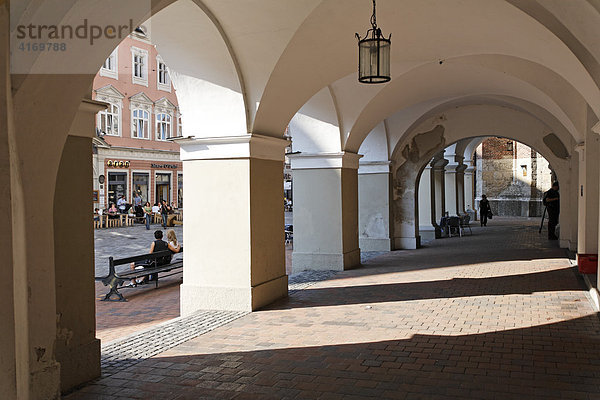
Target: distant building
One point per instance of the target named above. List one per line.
(513, 176)
(132, 153)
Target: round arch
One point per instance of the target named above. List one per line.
(283, 96)
(434, 135)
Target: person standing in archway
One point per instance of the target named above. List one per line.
(484, 210)
(552, 202)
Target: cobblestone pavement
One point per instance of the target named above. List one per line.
(497, 315)
(142, 343)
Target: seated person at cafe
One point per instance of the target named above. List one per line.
(97, 214)
(122, 204)
(112, 211)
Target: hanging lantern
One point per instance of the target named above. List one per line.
(374, 54)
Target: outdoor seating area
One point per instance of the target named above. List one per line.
(115, 220)
(455, 225)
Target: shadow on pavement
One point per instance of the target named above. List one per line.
(554, 361)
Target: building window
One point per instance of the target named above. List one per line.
(110, 66)
(179, 127)
(179, 191)
(117, 186)
(108, 120)
(163, 126)
(163, 75)
(164, 82)
(139, 66)
(139, 123)
(141, 185)
(163, 187)
(524, 170)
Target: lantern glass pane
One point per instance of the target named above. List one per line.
(374, 61)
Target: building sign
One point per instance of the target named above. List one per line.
(95, 196)
(164, 166)
(116, 163)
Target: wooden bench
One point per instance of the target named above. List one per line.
(115, 280)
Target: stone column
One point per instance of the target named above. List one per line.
(77, 349)
(233, 232)
(469, 189)
(453, 182)
(374, 206)
(587, 217)
(438, 192)
(569, 199)
(460, 188)
(426, 227)
(8, 333)
(325, 211)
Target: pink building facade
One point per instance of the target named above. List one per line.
(132, 153)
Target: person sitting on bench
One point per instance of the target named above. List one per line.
(174, 246)
(157, 245)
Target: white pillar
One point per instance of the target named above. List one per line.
(426, 227)
(569, 200)
(460, 188)
(469, 192)
(325, 211)
(234, 240)
(374, 206)
(587, 218)
(438, 192)
(453, 171)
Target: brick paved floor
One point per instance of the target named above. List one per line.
(499, 315)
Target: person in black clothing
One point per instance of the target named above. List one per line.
(484, 209)
(552, 202)
(164, 212)
(156, 246)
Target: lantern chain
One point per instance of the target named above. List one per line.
(374, 17)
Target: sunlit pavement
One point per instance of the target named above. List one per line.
(497, 315)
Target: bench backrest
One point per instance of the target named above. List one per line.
(143, 257)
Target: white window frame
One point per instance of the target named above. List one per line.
(104, 114)
(179, 125)
(169, 123)
(112, 72)
(179, 173)
(143, 80)
(133, 121)
(166, 86)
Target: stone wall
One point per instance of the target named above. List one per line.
(513, 176)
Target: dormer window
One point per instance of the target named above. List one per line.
(163, 80)
(139, 66)
(110, 66)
